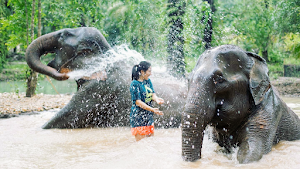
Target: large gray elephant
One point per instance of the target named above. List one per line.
(103, 98)
(230, 90)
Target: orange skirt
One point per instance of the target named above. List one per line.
(143, 130)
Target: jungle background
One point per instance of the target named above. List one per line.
(175, 31)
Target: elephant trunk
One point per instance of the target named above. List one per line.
(198, 112)
(43, 45)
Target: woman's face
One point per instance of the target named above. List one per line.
(146, 74)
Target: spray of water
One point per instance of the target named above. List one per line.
(101, 62)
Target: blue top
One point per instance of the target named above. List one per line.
(141, 91)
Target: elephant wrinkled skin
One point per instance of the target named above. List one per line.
(100, 101)
(230, 90)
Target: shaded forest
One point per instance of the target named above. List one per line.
(170, 30)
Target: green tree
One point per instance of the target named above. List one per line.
(287, 26)
(250, 23)
(196, 28)
(4, 12)
(33, 75)
(207, 20)
(175, 48)
(287, 14)
(138, 23)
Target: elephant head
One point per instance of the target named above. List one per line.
(71, 46)
(230, 90)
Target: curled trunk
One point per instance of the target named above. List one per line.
(43, 45)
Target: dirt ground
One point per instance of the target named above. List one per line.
(13, 104)
(287, 86)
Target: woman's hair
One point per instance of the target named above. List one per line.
(136, 70)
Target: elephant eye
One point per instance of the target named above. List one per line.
(218, 79)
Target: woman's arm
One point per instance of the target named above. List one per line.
(158, 100)
(143, 105)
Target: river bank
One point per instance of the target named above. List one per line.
(14, 104)
(287, 86)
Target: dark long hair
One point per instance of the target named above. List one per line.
(136, 70)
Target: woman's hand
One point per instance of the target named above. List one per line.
(143, 105)
(159, 100)
(157, 111)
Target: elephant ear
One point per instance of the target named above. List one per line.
(259, 82)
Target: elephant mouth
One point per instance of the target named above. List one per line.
(100, 76)
(69, 67)
(64, 70)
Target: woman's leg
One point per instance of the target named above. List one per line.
(138, 137)
(150, 135)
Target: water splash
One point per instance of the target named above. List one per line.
(101, 62)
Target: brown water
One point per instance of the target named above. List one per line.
(23, 144)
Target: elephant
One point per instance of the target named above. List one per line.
(102, 98)
(229, 89)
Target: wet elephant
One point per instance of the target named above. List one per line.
(103, 98)
(230, 90)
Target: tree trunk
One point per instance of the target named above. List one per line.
(32, 79)
(176, 64)
(265, 49)
(26, 11)
(208, 30)
(39, 19)
(265, 55)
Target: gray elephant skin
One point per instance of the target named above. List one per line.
(102, 99)
(229, 89)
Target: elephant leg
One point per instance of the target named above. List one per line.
(74, 115)
(80, 111)
(256, 139)
(250, 150)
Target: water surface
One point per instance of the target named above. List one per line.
(43, 86)
(23, 144)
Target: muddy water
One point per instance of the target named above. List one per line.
(23, 144)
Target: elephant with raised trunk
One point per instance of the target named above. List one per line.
(230, 90)
(103, 98)
(70, 47)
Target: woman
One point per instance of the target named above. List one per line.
(142, 95)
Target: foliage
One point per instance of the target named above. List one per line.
(3, 50)
(4, 12)
(287, 15)
(267, 27)
(251, 25)
(14, 25)
(139, 24)
(194, 27)
(292, 44)
(175, 45)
